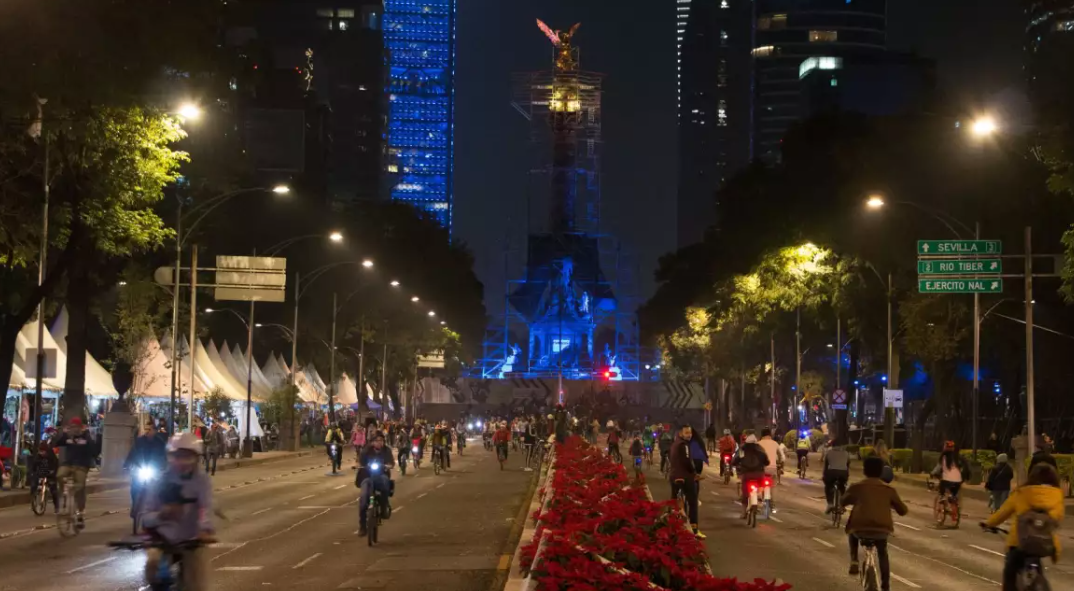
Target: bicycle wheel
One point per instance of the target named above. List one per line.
(836, 509)
(371, 523)
(37, 502)
(751, 516)
(65, 518)
(956, 513)
(939, 511)
(870, 577)
(1032, 581)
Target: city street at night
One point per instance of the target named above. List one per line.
(291, 524)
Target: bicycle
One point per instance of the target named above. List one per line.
(725, 465)
(501, 454)
(438, 461)
(803, 465)
(170, 569)
(39, 500)
(838, 509)
(373, 517)
(870, 565)
(637, 467)
(946, 505)
(67, 517)
(1031, 576)
(614, 454)
(759, 500)
(649, 458)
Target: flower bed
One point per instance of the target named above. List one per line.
(596, 531)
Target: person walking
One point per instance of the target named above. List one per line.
(683, 476)
(999, 482)
(215, 444)
(710, 437)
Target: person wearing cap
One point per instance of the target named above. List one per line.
(80, 454)
(999, 482)
(179, 510)
(751, 462)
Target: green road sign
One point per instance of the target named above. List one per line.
(963, 247)
(960, 267)
(960, 285)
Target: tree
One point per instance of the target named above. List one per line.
(217, 406)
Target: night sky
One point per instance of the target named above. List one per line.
(977, 45)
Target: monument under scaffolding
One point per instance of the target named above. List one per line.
(564, 317)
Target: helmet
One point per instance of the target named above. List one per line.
(949, 446)
(550, 417)
(75, 422)
(726, 431)
(184, 442)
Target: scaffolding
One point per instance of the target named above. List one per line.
(563, 312)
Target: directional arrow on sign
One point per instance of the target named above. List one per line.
(994, 266)
(925, 248)
(995, 285)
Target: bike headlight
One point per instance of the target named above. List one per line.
(146, 473)
(415, 449)
(469, 425)
(374, 466)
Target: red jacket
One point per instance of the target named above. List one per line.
(727, 444)
(502, 436)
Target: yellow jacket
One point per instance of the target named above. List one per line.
(1023, 499)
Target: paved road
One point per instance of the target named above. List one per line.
(799, 545)
(292, 525)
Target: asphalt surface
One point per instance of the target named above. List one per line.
(291, 524)
(798, 545)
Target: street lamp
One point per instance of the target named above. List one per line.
(983, 126)
(368, 264)
(189, 112)
(431, 313)
(875, 202)
(281, 189)
(336, 237)
(395, 284)
(415, 299)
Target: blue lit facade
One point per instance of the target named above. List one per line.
(419, 36)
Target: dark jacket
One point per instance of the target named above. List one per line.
(752, 458)
(873, 502)
(999, 479)
(681, 466)
(385, 457)
(148, 450)
(45, 466)
(79, 450)
(636, 448)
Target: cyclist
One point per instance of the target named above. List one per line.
(1041, 494)
(802, 448)
(440, 440)
(682, 476)
(402, 444)
(726, 446)
(637, 450)
(79, 457)
(501, 440)
(751, 462)
(45, 465)
(613, 442)
(952, 470)
(334, 436)
(370, 479)
(149, 450)
(180, 510)
(648, 439)
(836, 471)
(873, 501)
(358, 441)
(665, 441)
(775, 458)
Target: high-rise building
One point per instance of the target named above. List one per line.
(787, 32)
(1049, 45)
(419, 36)
(715, 106)
(682, 17)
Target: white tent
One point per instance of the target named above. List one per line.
(283, 364)
(152, 378)
(98, 380)
(307, 390)
(202, 383)
(346, 393)
(240, 372)
(260, 381)
(208, 359)
(275, 374)
(27, 339)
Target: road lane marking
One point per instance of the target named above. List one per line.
(306, 561)
(422, 495)
(441, 484)
(307, 497)
(238, 568)
(315, 507)
(339, 487)
(505, 562)
(824, 543)
(776, 519)
(965, 572)
(397, 509)
(259, 512)
(989, 551)
(92, 564)
(273, 535)
(907, 526)
(905, 582)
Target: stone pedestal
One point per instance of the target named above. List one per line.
(1020, 444)
(120, 429)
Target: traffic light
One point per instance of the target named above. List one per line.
(606, 374)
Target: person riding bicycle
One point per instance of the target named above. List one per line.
(45, 464)
(648, 439)
(439, 440)
(180, 510)
(802, 448)
(80, 455)
(775, 458)
(952, 470)
(873, 502)
(374, 469)
(683, 477)
(664, 442)
(726, 446)
(836, 471)
(402, 444)
(501, 440)
(637, 450)
(613, 442)
(149, 450)
(751, 462)
(1037, 509)
(334, 436)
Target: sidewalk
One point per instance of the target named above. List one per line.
(95, 483)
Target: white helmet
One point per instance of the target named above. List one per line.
(184, 441)
(550, 417)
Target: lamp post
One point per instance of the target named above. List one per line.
(248, 444)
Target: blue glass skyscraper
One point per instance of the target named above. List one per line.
(419, 36)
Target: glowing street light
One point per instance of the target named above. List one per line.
(415, 299)
(395, 284)
(983, 126)
(368, 264)
(336, 237)
(209, 310)
(281, 189)
(431, 313)
(189, 112)
(875, 202)
(443, 323)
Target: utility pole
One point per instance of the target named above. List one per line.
(798, 365)
(332, 364)
(175, 316)
(838, 353)
(248, 446)
(976, 352)
(294, 368)
(361, 363)
(193, 329)
(772, 375)
(892, 381)
(384, 372)
(1031, 417)
(41, 264)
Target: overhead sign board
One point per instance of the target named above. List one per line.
(892, 398)
(960, 267)
(31, 363)
(250, 279)
(246, 294)
(956, 285)
(959, 247)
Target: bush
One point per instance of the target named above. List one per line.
(929, 460)
(854, 450)
(986, 457)
(815, 437)
(790, 439)
(901, 459)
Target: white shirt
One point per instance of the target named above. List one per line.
(775, 454)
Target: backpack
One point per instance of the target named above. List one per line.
(752, 461)
(1035, 533)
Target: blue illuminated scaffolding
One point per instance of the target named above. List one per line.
(420, 40)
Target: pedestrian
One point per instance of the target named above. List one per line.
(681, 473)
(999, 482)
(215, 445)
(699, 456)
(710, 437)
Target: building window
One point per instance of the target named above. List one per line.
(819, 63)
(721, 114)
(835, 82)
(763, 51)
(345, 13)
(326, 12)
(823, 36)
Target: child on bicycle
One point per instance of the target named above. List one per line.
(637, 450)
(873, 502)
(1041, 494)
(45, 465)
